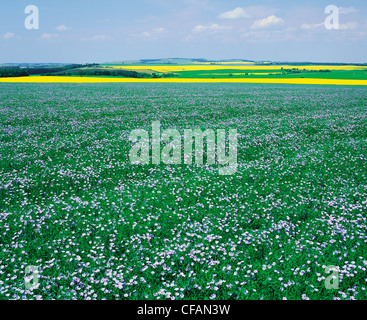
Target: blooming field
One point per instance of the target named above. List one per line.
(63, 79)
(100, 228)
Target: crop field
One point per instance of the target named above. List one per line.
(99, 227)
(268, 73)
(219, 72)
(206, 79)
(175, 68)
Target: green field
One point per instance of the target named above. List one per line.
(235, 73)
(99, 227)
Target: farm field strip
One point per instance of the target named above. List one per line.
(250, 67)
(85, 79)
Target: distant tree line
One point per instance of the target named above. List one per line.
(23, 72)
(46, 70)
(155, 61)
(296, 70)
(13, 72)
(111, 73)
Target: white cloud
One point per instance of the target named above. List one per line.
(101, 37)
(213, 28)
(62, 27)
(159, 30)
(313, 26)
(348, 26)
(348, 10)
(152, 33)
(269, 22)
(47, 36)
(8, 35)
(234, 14)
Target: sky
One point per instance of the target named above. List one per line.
(89, 31)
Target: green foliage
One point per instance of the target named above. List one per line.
(39, 70)
(52, 70)
(13, 72)
(92, 72)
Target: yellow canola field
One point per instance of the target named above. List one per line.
(249, 67)
(55, 79)
(240, 74)
(226, 63)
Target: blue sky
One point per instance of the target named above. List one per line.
(100, 31)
